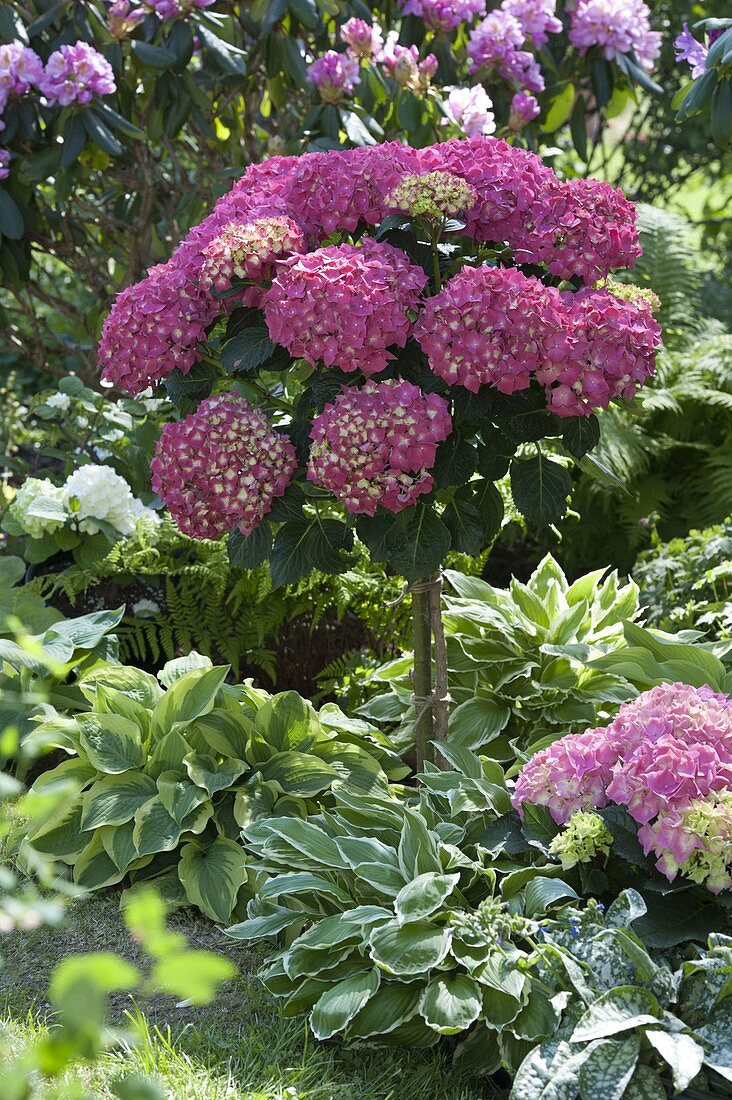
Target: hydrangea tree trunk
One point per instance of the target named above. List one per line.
(431, 699)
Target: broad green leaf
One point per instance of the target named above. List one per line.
(189, 697)
(213, 876)
(418, 543)
(681, 1053)
(409, 949)
(541, 893)
(119, 844)
(540, 488)
(645, 1084)
(451, 1004)
(717, 1035)
(169, 755)
(621, 1009)
(391, 1006)
(476, 722)
(225, 732)
(299, 773)
(95, 868)
(100, 969)
(549, 1072)
(206, 772)
(112, 743)
(537, 1019)
(609, 1068)
(116, 799)
(60, 833)
(266, 926)
(303, 882)
(140, 686)
(287, 721)
(180, 797)
(312, 841)
(338, 1005)
(155, 830)
(179, 667)
(193, 975)
(417, 848)
(423, 896)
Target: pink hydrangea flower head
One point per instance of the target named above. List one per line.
(570, 775)
(524, 108)
(153, 328)
(432, 195)
(471, 109)
(5, 158)
(581, 227)
(694, 840)
(75, 74)
(538, 18)
(363, 39)
(249, 251)
(615, 27)
(491, 325)
(445, 15)
(345, 305)
(20, 69)
(374, 446)
(221, 468)
(691, 50)
(335, 75)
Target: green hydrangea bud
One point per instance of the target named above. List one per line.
(433, 195)
(584, 837)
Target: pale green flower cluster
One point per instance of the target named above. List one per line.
(433, 195)
(36, 496)
(584, 837)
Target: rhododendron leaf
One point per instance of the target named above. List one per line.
(213, 875)
(74, 139)
(12, 224)
(609, 1068)
(101, 135)
(228, 57)
(306, 12)
(560, 110)
(339, 1004)
(540, 489)
(155, 57)
(249, 551)
(581, 434)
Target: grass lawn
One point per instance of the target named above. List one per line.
(239, 1048)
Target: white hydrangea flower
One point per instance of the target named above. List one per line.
(58, 401)
(145, 608)
(101, 495)
(142, 514)
(36, 491)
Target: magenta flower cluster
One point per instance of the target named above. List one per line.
(665, 751)
(445, 15)
(20, 70)
(495, 44)
(345, 305)
(334, 75)
(75, 74)
(374, 446)
(172, 9)
(363, 39)
(249, 251)
(615, 27)
(220, 468)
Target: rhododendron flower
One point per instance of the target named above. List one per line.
(334, 75)
(616, 27)
(249, 251)
(171, 9)
(524, 108)
(404, 65)
(220, 468)
(345, 305)
(496, 44)
(538, 18)
(445, 15)
(75, 74)
(375, 445)
(123, 16)
(20, 69)
(153, 328)
(471, 109)
(5, 158)
(364, 39)
(694, 840)
(432, 195)
(690, 49)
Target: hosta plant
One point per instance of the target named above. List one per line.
(162, 776)
(373, 338)
(517, 660)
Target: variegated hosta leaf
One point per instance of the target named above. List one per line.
(451, 1003)
(338, 1005)
(213, 875)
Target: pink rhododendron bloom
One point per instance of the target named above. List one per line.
(615, 27)
(363, 39)
(123, 16)
(690, 49)
(345, 305)
(75, 74)
(221, 468)
(5, 158)
(334, 75)
(404, 65)
(375, 445)
(250, 251)
(172, 9)
(471, 109)
(524, 108)
(538, 18)
(496, 44)
(445, 15)
(20, 69)
(153, 328)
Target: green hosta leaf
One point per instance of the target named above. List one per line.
(60, 834)
(225, 731)
(609, 1067)
(189, 697)
(206, 772)
(620, 1009)
(193, 975)
(155, 830)
(298, 773)
(541, 893)
(213, 876)
(409, 950)
(540, 489)
(116, 799)
(265, 926)
(451, 1004)
(391, 1006)
(112, 743)
(423, 896)
(681, 1052)
(550, 1072)
(314, 843)
(387, 880)
(119, 844)
(477, 722)
(417, 848)
(95, 868)
(287, 721)
(303, 882)
(179, 796)
(338, 1005)
(138, 685)
(169, 754)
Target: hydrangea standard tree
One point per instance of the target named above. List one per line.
(377, 336)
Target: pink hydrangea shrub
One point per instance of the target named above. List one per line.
(375, 445)
(221, 468)
(345, 305)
